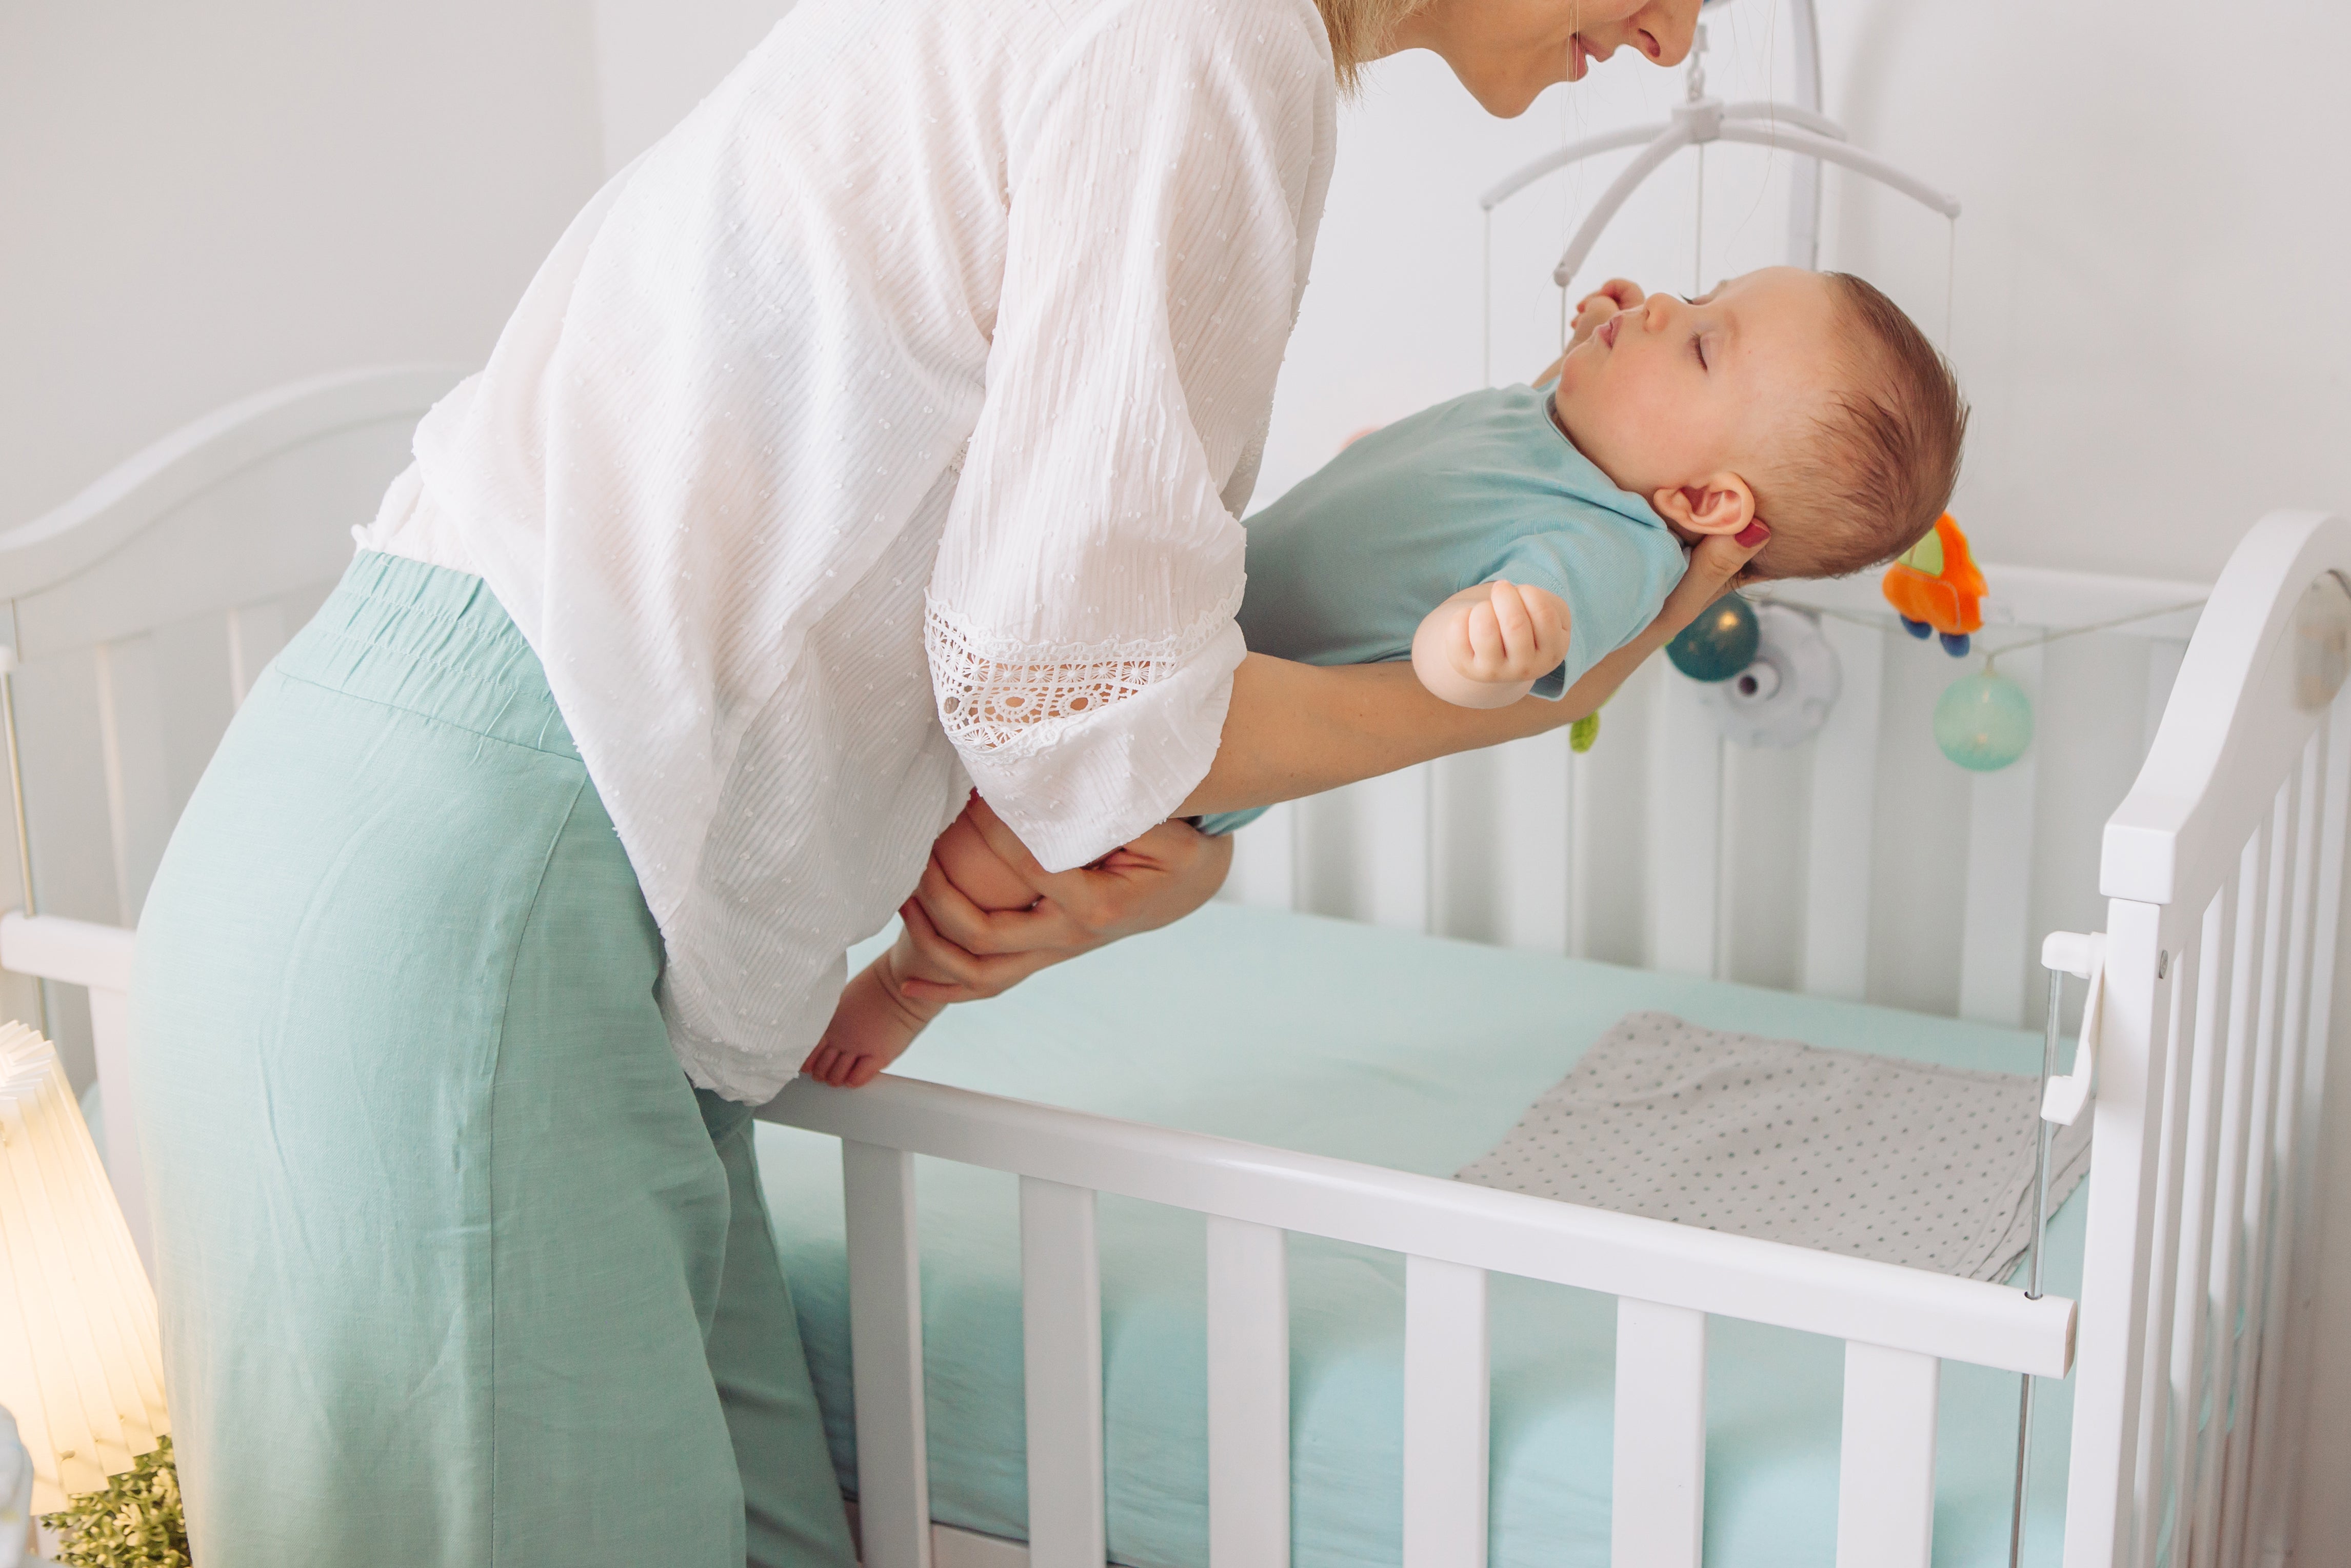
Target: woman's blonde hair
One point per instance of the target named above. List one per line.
(1360, 31)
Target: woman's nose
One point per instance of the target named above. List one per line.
(1663, 29)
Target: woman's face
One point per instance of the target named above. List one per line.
(1507, 51)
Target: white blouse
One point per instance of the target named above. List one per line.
(885, 428)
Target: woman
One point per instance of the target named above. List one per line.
(882, 428)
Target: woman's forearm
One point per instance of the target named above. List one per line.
(1294, 729)
(1297, 729)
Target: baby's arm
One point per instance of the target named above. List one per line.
(1488, 645)
(877, 1017)
(1616, 294)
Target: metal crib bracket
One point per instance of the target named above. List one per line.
(2084, 954)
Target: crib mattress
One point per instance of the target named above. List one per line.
(1407, 1052)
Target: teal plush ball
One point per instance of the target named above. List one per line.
(1984, 722)
(1720, 644)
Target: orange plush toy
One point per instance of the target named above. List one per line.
(1934, 587)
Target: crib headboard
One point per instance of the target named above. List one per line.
(142, 609)
(1861, 865)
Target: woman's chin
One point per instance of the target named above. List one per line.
(1505, 101)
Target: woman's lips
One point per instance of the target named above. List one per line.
(1579, 58)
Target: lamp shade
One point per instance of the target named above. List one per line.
(80, 1358)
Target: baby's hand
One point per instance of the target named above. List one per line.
(1486, 647)
(1616, 294)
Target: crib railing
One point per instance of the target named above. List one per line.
(1897, 1324)
(2224, 872)
(1670, 848)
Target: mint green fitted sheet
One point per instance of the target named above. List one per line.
(1407, 1052)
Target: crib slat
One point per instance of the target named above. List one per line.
(139, 810)
(2277, 1471)
(1843, 808)
(1446, 1393)
(1885, 1462)
(1060, 1321)
(2152, 1470)
(1685, 828)
(1994, 938)
(1657, 1491)
(2250, 1306)
(1538, 812)
(2236, 1114)
(885, 1350)
(2257, 1431)
(2201, 1161)
(1265, 861)
(1398, 846)
(2112, 1331)
(1248, 1395)
(256, 633)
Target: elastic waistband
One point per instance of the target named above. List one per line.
(434, 642)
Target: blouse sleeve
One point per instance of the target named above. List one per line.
(1164, 183)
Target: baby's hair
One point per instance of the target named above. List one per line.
(1878, 465)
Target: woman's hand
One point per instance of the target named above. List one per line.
(1714, 568)
(1159, 878)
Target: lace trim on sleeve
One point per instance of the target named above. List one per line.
(1007, 696)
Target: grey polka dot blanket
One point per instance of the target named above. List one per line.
(1905, 1162)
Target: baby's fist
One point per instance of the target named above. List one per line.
(1515, 634)
(1616, 294)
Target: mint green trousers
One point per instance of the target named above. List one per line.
(455, 1267)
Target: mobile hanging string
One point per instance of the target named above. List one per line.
(1694, 93)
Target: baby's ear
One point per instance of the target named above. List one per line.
(1719, 504)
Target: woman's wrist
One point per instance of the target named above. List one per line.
(1294, 729)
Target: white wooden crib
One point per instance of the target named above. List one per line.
(1848, 867)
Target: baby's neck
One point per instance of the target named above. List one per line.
(1688, 538)
(1550, 407)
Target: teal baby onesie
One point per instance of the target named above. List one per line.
(1344, 569)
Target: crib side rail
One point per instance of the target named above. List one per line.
(1897, 1324)
(98, 958)
(2224, 869)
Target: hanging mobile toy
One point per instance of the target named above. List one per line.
(1720, 644)
(1934, 587)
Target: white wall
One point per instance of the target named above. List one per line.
(202, 202)
(655, 59)
(199, 202)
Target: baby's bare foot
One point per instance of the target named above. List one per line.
(872, 1028)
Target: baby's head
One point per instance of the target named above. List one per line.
(1805, 399)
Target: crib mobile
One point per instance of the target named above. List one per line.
(1769, 675)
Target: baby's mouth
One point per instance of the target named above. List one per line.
(1607, 333)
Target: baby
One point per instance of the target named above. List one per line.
(1507, 540)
